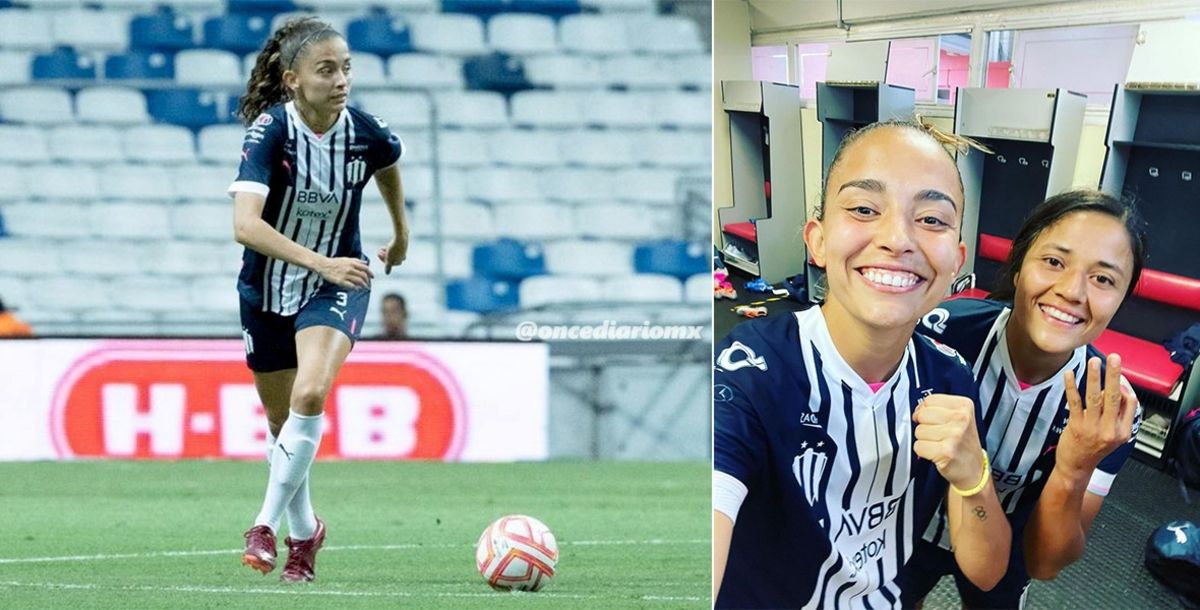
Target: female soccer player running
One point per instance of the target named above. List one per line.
(1053, 454)
(836, 429)
(305, 282)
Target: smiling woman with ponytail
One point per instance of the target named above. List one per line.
(305, 282)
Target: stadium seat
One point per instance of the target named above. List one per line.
(652, 186)
(221, 143)
(337, 21)
(15, 67)
(239, 34)
(129, 220)
(642, 288)
(524, 148)
(162, 31)
(202, 183)
(191, 258)
(28, 257)
(399, 110)
(685, 110)
(698, 289)
(139, 65)
(467, 220)
(166, 144)
(48, 5)
(103, 257)
(564, 71)
(508, 259)
(213, 221)
(554, 8)
(149, 293)
(187, 107)
(624, 221)
(111, 105)
(38, 105)
(480, 295)
(61, 64)
(665, 35)
(137, 183)
(692, 70)
(449, 34)
(14, 293)
(380, 35)
(674, 149)
(522, 34)
(25, 29)
(367, 69)
(549, 290)
(637, 72)
(208, 67)
(471, 109)
(91, 30)
(215, 294)
(575, 185)
(13, 179)
(423, 71)
(62, 182)
(496, 72)
(46, 219)
(677, 258)
(597, 149)
(593, 35)
(33, 148)
(261, 7)
(84, 144)
(620, 6)
(545, 109)
(500, 185)
(533, 221)
(587, 257)
(462, 148)
(71, 294)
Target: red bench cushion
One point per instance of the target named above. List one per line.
(744, 230)
(1145, 364)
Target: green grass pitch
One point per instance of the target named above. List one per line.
(169, 534)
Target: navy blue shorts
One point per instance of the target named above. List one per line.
(929, 563)
(271, 338)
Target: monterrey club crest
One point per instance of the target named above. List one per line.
(356, 171)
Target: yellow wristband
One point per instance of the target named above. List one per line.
(987, 470)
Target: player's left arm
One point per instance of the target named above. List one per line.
(392, 189)
(1056, 535)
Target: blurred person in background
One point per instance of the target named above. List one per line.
(11, 325)
(395, 317)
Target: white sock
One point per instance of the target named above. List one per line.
(290, 460)
(302, 522)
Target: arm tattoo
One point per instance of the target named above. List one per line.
(982, 514)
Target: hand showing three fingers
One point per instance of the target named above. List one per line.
(1097, 427)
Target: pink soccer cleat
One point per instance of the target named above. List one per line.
(260, 549)
(302, 556)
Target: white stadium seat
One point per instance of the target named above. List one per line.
(503, 185)
(28, 257)
(85, 144)
(455, 34)
(549, 290)
(655, 186)
(73, 294)
(422, 71)
(112, 105)
(221, 143)
(674, 149)
(166, 144)
(367, 69)
(593, 35)
(522, 34)
(597, 149)
(33, 148)
(399, 110)
(545, 109)
(688, 110)
(564, 71)
(136, 183)
(202, 221)
(215, 294)
(637, 71)
(642, 288)
(46, 220)
(129, 220)
(471, 109)
(534, 221)
(208, 67)
(467, 220)
(621, 6)
(91, 30)
(462, 148)
(207, 183)
(150, 293)
(693, 70)
(625, 221)
(179, 257)
(15, 66)
(585, 257)
(578, 185)
(62, 182)
(14, 292)
(40, 105)
(524, 148)
(698, 289)
(337, 20)
(103, 257)
(665, 35)
(13, 179)
(25, 29)
(618, 109)
(375, 222)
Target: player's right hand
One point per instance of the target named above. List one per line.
(946, 435)
(346, 272)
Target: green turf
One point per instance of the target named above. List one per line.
(631, 535)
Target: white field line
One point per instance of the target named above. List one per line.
(350, 547)
(315, 592)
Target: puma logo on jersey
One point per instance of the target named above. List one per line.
(340, 312)
(727, 361)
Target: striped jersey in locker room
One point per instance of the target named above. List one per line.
(313, 187)
(1023, 425)
(836, 494)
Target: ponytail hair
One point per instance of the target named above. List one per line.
(265, 87)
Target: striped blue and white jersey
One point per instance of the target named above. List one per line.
(313, 186)
(1023, 424)
(835, 492)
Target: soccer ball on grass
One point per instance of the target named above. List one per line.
(517, 552)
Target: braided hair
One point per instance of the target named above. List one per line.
(265, 87)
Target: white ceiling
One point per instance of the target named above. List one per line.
(772, 15)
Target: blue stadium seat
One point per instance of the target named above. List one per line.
(238, 33)
(489, 8)
(480, 295)
(261, 7)
(187, 107)
(553, 8)
(139, 65)
(496, 72)
(379, 35)
(509, 260)
(63, 62)
(677, 258)
(162, 31)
